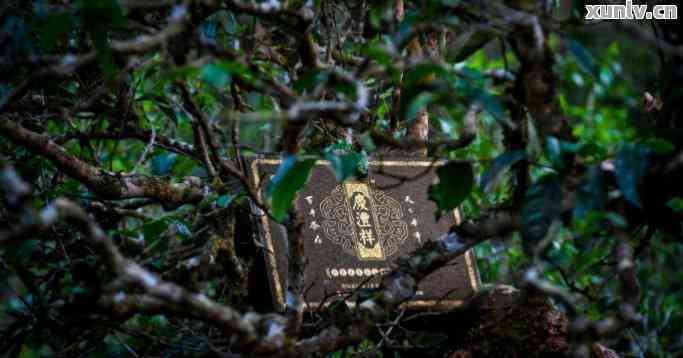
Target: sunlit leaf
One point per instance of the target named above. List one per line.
(472, 43)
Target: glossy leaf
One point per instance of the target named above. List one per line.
(224, 200)
(476, 94)
(553, 150)
(498, 167)
(590, 194)
(542, 205)
(630, 166)
(154, 228)
(423, 84)
(289, 178)
(583, 57)
(162, 164)
(455, 184)
(310, 79)
(473, 43)
(347, 165)
(216, 75)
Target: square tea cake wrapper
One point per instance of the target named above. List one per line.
(355, 230)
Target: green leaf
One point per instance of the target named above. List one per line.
(183, 166)
(659, 145)
(376, 52)
(152, 231)
(490, 102)
(583, 56)
(22, 251)
(553, 150)
(346, 165)
(376, 11)
(590, 194)
(182, 229)
(418, 103)
(208, 201)
(310, 79)
(425, 73)
(542, 205)
(98, 17)
(56, 25)
(289, 178)
(154, 228)
(224, 200)
(100, 12)
(455, 184)
(163, 163)
(451, 3)
(28, 352)
(208, 28)
(559, 153)
(158, 321)
(616, 220)
(630, 166)
(105, 56)
(498, 167)
(676, 204)
(424, 84)
(217, 75)
(473, 43)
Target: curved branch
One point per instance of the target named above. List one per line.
(410, 143)
(105, 184)
(143, 135)
(267, 333)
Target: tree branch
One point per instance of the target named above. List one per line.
(257, 333)
(107, 185)
(144, 135)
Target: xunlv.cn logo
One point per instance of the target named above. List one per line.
(630, 11)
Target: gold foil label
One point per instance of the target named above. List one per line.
(364, 222)
(366, 243)
(331, 222)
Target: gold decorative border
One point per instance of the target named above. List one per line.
(271, 260)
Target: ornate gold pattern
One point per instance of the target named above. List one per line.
(272, 261)
(365, 222)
